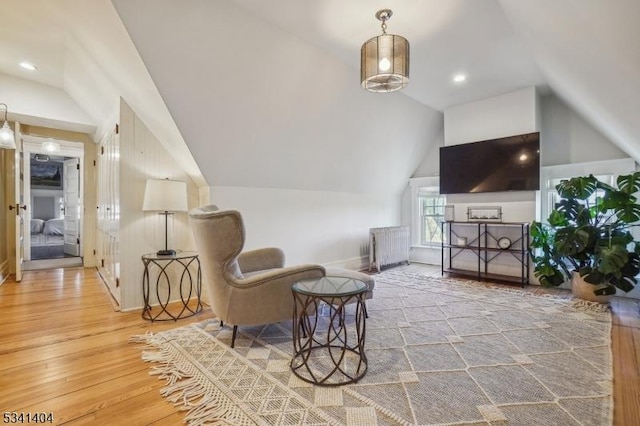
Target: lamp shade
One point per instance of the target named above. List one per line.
(384, 63)
(7, 140)
(165, 195)
(384, 60)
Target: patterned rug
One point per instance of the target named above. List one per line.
(440, 352)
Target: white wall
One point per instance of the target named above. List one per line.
(567, 138)
(41, 105)
(500, 116)
(260, 107)
(310, 226)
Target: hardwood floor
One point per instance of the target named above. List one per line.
(63, 350)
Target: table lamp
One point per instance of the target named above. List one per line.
(167, 197)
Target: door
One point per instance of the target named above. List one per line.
(71, 191)
(19, 205)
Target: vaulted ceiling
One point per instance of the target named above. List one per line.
(255, 93)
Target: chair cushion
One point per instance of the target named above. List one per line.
(369, 280)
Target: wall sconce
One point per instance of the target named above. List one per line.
(165, 196)
(7, 140)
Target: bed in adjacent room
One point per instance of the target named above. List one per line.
(47, 238)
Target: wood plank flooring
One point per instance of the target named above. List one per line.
(64, 350)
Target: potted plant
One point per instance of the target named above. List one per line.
(589, 239)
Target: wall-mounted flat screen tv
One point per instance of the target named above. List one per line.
(504, 164)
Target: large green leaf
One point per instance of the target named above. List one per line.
(592, 276)
(577, 187)
(629, 183)
(604, 186)
(608, 290)
(612, 259)
(557, 219)
(615, 237)
(629, 213)
(570, 241)
(625, 284)
(632, 267)
(548, 276)
(567, 210)
(540, 234)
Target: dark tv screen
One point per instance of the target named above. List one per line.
(504, 164)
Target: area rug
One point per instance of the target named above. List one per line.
(440, 352)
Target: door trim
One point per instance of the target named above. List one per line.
(33, 145)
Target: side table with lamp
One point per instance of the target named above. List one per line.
(168, 197)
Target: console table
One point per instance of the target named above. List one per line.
(489, 243)
(188, 286)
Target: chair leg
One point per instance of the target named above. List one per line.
(233, 337)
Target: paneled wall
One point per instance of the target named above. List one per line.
(139, 156)
(108, 215)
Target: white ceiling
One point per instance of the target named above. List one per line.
(446, 37)
(469, 36)
(586, 51)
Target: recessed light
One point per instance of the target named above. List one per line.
(28, 66)
(459, 78)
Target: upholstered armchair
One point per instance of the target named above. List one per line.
(247, 288)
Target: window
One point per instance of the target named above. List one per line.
(431, 215)
(606, 170)
(553, 196)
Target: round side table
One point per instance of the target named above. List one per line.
(328, 350)
(188, 287)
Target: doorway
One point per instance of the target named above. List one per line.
(53, 187)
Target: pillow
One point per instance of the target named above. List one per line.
(36, 226)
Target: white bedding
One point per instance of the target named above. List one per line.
(47, 233)
(54, 227)
(37, 225)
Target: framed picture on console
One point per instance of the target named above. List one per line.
(484, 214)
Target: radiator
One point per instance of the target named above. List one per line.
(388, 246)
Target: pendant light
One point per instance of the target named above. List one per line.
(384, 60)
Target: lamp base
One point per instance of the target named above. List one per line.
(166, 253)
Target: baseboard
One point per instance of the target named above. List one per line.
(355, 263)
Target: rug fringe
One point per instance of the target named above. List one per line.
(212, 407)
(204, 406)
(587, 305)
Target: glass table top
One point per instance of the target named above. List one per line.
(179, 255)
(329, 286)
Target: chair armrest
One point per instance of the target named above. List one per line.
(257, 260)
(287, 275)
(266, 297)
